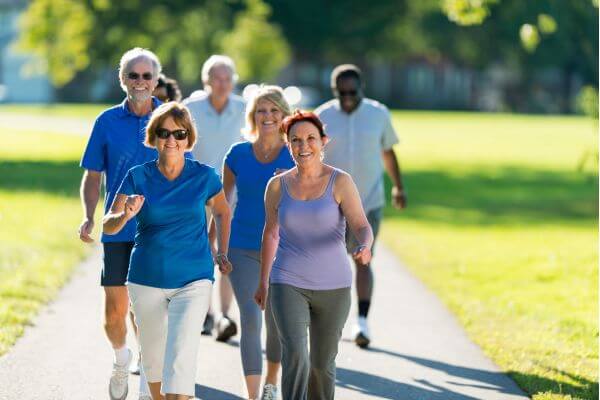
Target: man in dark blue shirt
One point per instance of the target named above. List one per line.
(116, 144)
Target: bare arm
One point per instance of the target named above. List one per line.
(228, 183)
(122, 210)
(222, 224)
(392, 167)
(270, 240)
(228, 188)
(90, 194)
(346, 194)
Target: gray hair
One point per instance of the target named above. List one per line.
(217, 60)
(134, 55)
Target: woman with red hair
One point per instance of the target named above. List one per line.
(305, 274)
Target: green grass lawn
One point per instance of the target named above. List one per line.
(88, 111)
(39, 216)
(505, 230)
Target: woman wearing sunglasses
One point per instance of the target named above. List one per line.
(171, 268)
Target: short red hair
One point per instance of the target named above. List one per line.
(302, 116)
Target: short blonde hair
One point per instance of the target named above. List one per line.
(181, 116)
(272, 93)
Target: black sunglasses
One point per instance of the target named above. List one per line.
(147, 76)
(178, 134)
(347, 93)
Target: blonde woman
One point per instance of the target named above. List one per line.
(247, 167)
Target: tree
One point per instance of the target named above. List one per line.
(58, 32)
(93, 34)
(259, 47)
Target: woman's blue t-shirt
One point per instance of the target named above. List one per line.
(171, 241)
(251, 178)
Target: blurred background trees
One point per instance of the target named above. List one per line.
(481, 54)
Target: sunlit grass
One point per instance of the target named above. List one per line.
(84, 111)
(502, 226)
(39, 215)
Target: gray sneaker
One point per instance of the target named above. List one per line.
(269, 392)
(118, 386)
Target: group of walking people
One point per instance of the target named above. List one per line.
(305, 188)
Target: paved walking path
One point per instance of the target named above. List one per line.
(418, 350)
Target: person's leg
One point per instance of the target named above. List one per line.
(244, 280)
(364, 281)
(273, 352)
(328, 314)
(291, 311)
(226, 327)
(155, 391)
(177, 397)
(187, 307)
(116, 302)
(116, 306)
(150, 307)
(273, 349)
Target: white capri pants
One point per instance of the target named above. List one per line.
(170, 324)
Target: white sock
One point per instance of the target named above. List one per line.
(144, 389)
(121, 356)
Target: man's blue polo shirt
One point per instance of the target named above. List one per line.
(114, 147)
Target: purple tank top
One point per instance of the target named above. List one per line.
(312, 251)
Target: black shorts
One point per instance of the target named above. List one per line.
(374, 217)
(116, 263)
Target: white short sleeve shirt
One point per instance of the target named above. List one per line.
(356, 143)
(216, 132)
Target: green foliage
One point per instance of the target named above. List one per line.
(467, 12)
(587, 101)
(66, 34)
(258, 46)
(530, 37)
(59, 33)
(546, 24)
(39, 215)
(504, 230)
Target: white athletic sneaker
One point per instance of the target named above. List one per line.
(269, 392)
(362, 337)
(118, 386)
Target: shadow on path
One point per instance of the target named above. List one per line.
(390, 389)
(208, 393)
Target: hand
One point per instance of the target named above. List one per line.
(260, 296)
(224, 264)
(398, 198)
(362, 254)
(85, 230)
(133, 205)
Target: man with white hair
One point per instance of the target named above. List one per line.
(219, 119)
(115, 145)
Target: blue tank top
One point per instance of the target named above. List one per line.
(312, 251)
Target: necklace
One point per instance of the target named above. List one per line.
(265, 154)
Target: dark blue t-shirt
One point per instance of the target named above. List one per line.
(171, 240)
(116, 144)
(251, 178)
